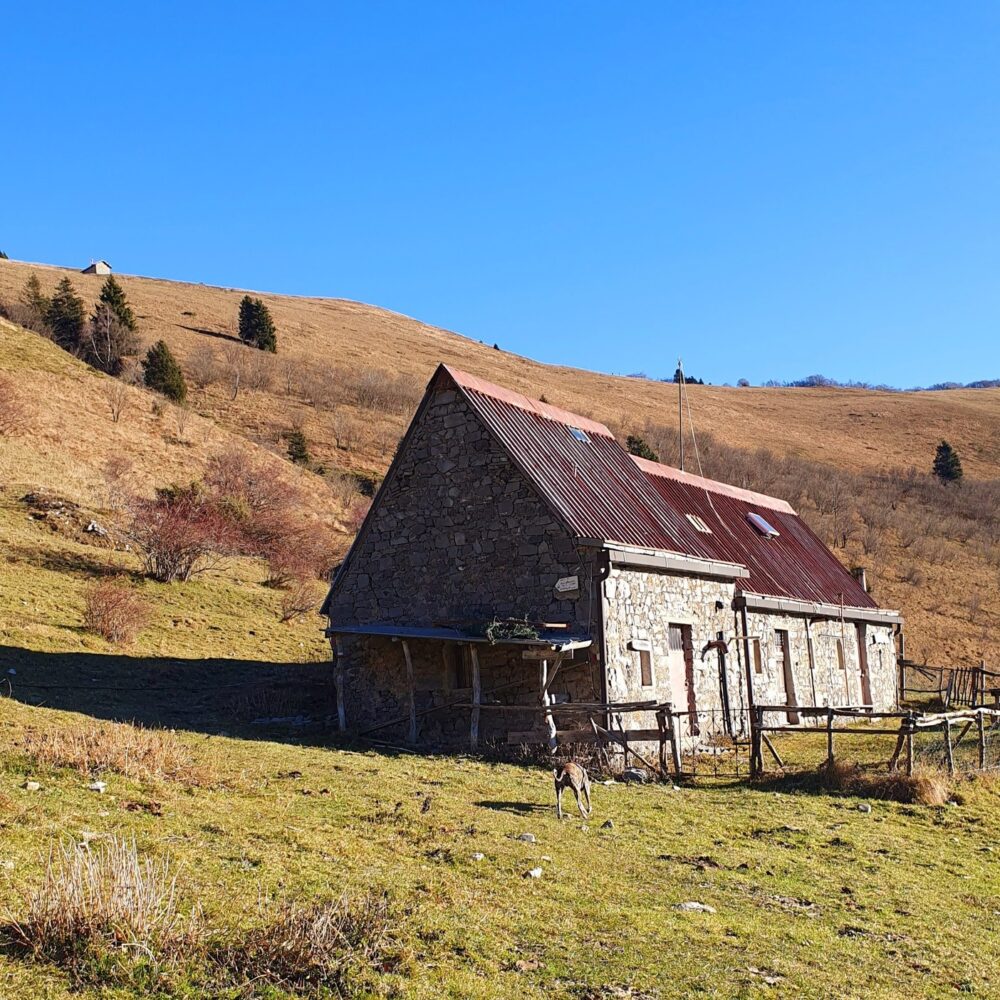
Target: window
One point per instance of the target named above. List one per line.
(699, 524)
(579, 435)
(645, 650)
(841, 659)
(762, 526)
(758, 664)
(646, 668)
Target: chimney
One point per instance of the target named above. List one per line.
(858, 572)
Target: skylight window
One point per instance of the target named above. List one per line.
(699, 524)
(579, 435)
(763, 526)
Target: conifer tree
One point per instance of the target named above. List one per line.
(33, 298)
(162, 373)
(256, 325)
(113, 296)
(637, 446)
(66, 316)
(947, 465)
(298, 447)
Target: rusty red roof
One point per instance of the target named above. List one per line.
(605, 494)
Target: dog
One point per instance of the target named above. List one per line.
(574, 777)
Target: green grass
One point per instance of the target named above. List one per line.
(806, 887)
(810, 893)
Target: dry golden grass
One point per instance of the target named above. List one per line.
(328, 348)
(130, 750)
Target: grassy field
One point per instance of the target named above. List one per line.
(812, 897)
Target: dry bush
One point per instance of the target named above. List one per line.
(233, 367)
(119, 397)
(103, 910)
(871, 540)
(343, 487)
(258, 371)
(929, 788)
(14, 418)
(357, 513)
(974, 605)
(115, 611)
(119, 481)
(344, 428)
(382, 392)
(182, 418)
(913, 576)
(309, 947)
(130, 750)
(933, 550)
(301, 597)
(203, 367)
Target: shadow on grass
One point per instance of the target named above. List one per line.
(293, 702)
(219, 334)
(95, 563)
(518, 808)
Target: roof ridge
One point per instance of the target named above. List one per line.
(546, 410)
(712, 485)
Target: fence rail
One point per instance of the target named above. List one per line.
(911, 727)
(949, 686)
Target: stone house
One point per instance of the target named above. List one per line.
(97, 267)
(519, 568)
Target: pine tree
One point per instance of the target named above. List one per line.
(33, 298)
(256, 325)
(163, 374)
(298, 447)
(66, 316)
(113, 296)
(947, 465)
(637, 446)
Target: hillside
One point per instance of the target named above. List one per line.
(350, 374)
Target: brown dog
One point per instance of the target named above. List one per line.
(574, 777)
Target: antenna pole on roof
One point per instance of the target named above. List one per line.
(680, 408)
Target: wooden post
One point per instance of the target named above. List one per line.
(477, 693)
(909, 746)
(756, 751)
(339, 682)
(543, 683)
(675, 745)
(413, 696)
(661, 724)
(981, 727)
(947, 746)
(829, 737)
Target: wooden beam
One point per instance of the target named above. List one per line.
(543, 685)
(413, 696)
(477, 697)
(339, 682)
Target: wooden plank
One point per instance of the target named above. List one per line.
(339, 682)
(981, 727)
(949, 756)
(412, 737)
(477, 697)
(774, 753)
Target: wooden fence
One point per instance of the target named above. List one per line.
(902, 727)
(948, 686)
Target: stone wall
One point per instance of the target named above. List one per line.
(458, 536)
(640, 605)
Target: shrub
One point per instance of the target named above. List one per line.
(115, 611)
(129, 750)
(309, 947)
(637, 446)
(162, 373)
(66, 316)
(203, 366)
(104, 912)
(301, 597)
(256, 326)
(178, 530)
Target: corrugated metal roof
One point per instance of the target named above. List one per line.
(603, 493)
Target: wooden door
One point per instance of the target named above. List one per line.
(681, 667)
(785, 672)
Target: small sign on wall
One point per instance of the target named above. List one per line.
(568, 588)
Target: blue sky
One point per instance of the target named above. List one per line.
(768, 189)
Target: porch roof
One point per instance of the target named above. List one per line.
(561, 640)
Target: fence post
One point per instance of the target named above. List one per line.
(981, 727)
(829, 736)
(756, 759)
(675, 746)
(661, 724)
(909, 744)
(947, 746)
